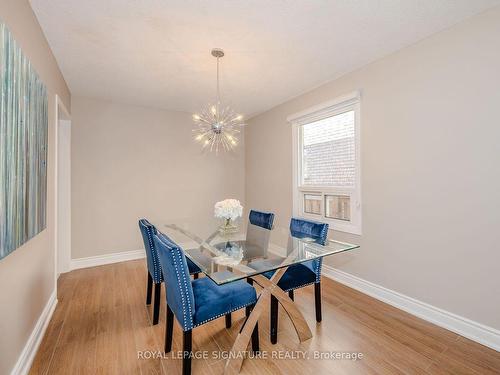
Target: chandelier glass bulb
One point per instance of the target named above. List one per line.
(217, 126)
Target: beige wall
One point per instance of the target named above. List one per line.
(27, 274)
(130, 162)
(430, 120)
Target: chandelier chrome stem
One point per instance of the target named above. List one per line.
(218, 87)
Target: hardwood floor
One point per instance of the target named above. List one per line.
(101, 322)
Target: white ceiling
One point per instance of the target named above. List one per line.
(157, 52)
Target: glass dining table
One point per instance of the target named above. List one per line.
(246, 251)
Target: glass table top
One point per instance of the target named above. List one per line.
(244, 250)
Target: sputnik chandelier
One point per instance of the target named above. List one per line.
(217, 126)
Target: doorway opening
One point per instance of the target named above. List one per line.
(63, 190)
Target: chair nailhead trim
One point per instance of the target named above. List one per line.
(317, 269)
(222, 314)
(319, 261)
(156, 265)
(300, 286)
(180, 273)
(188, 323)
(157, 272)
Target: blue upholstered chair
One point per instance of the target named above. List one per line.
(259, 229)
(258, 232)
(196, 302)
(261, 219)
(303, 274)
(155, 274)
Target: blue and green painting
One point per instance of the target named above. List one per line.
(23, 147)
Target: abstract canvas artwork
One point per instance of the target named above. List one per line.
(23, 147)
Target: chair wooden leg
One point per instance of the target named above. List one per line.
(317, 299)
(255, 332)
(228, 320)
(290, 294)
(255, 335)
(149, 290)
(248, 309)
(195, 276)
(186, 350)
(156, 309)
(274, 320)
(169, 330)
(255, 339)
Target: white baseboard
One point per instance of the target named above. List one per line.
(480, 333)
(100, 260)
(27, 356)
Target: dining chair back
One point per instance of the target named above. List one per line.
(259, 229)
(199, 301)
(302, 274)
(155, 273)
(180, 296)
(301, 228)
(147, 231)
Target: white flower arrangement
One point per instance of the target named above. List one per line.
(229, 209)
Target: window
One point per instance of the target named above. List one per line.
(327, 164)
(312, 203)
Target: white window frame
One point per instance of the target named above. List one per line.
(316, 113)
